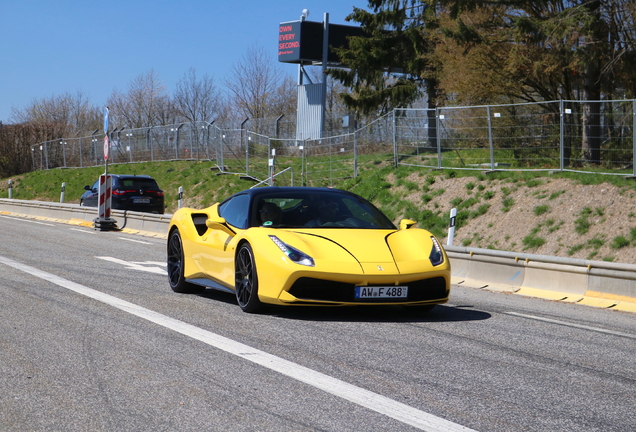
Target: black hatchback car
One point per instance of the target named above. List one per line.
(139, 193)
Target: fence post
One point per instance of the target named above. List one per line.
(490, 140)
(395, 151)
(222, 152)
(46, 154)
(634, 136)
(80, 153)
(63, 144)
(561, 136)
(303, 171)
(247, 147)
(438, 117)
(149, 143)
(271, 151)
(355, 154)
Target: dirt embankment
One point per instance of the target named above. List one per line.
(547, 216)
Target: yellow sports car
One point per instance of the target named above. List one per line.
(305, 246)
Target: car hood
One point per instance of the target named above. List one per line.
(376, 251)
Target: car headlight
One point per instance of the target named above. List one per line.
(436, 256)
(292, 253)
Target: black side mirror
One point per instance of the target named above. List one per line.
(87, 187)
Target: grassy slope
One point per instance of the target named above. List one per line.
(545, 217)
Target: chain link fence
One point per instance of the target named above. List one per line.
(558, 135)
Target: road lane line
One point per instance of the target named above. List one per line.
(134, 266)
(133, 240)
(368, 399)
(82, 231)
(568, 324)
(28, 220)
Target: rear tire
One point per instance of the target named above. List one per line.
(246, 280)
(176, 266)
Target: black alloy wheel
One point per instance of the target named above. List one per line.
(175, 266)
(246, 280)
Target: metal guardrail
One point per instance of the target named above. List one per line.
(593, 283)
(133, 222)
(596, 283)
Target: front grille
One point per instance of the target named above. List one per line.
(306, 288)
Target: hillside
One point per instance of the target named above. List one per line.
(582, 216)
(546, 216)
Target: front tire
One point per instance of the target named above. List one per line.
(246, 280)
(176, 266)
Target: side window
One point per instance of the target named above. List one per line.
(95, 186)
(235, 211)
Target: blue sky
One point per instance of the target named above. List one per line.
(50, 47)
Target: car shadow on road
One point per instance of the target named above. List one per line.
(440, 313)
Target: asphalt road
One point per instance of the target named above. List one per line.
(93, 339)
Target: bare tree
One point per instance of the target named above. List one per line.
(253, 84)
(66, 114)
(145, 104)
(196, 99)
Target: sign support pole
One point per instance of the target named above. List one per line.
(103, 221)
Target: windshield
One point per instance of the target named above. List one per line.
(316, 209)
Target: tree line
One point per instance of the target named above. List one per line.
(477, 52)
(256, 88)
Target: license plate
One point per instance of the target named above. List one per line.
(141, 200)
(379, 292)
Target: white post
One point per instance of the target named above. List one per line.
(62, 194)
(271, 167)
(180, 196)
(451, 230)
(10, 189)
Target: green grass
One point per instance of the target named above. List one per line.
(582, 224)
(507, 204)
(204, 186)
(531, 241)
(620, 242)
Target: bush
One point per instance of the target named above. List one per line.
(620, 242)
(531, 241)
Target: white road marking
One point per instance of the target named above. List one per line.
(28, 220)
(368, 399)
(83, 231)
(157, 263)
(581, 326)
(134, 266)
(133, 240)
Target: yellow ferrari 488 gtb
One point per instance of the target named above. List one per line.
(305, 246)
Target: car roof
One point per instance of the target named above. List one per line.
(124, 176)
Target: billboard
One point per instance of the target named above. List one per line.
(300, 42)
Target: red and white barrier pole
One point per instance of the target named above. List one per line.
(105, 191)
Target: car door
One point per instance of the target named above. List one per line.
(90, 198)
(218, 247)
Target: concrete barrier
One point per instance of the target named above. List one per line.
(134, 222)
(594, 283)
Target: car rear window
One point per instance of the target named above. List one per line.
(139, 183)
